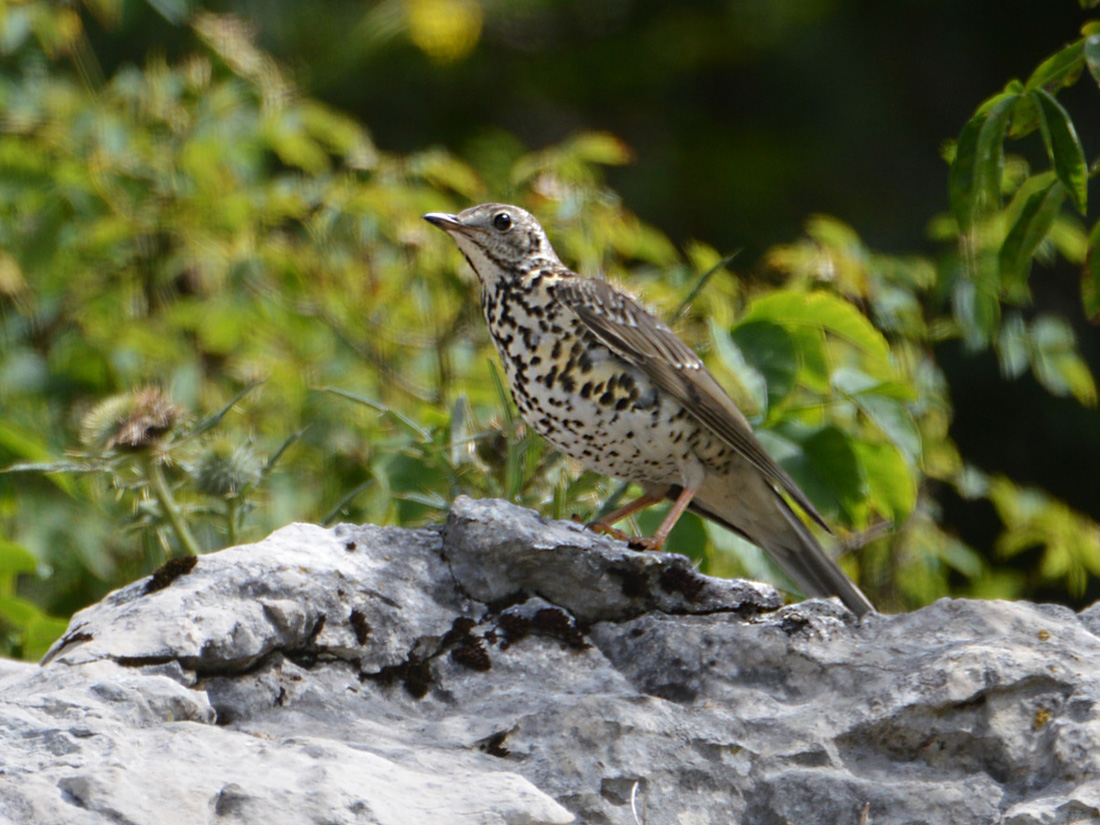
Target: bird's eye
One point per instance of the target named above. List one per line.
(502, 221)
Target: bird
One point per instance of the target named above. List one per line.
(611, 386)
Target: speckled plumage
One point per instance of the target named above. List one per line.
(612, 387)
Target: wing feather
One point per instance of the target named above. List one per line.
(640, 339)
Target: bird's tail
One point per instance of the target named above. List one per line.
(775, 528)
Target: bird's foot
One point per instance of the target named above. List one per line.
(608, 530)
(653, 543)
(634, 542)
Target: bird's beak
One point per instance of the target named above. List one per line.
(448, 223)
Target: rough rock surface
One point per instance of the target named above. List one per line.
(503, 668)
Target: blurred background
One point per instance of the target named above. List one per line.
(198, 197)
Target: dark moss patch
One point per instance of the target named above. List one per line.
(633, 583)
(511, 600)
(494, 745)
(471, 653)
(414, 673)
(678, 579)
(514, 627)
(360, 626)
(557, 624)
(169, 572)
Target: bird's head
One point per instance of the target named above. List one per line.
(499, 240)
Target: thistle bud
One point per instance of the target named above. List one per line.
(131, 422)
(224, 470)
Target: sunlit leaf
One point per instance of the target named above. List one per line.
(446, 171)
(1029, 230)
(974, 182)
(1060, 69)
(748, 376)
(397, 417)
(446, 30)
(40, 633)
(1090, 277)
(1063, 146)
(1012, 346)
(824, 463)
(1092, 55)
(174, 11)
(770, 349)
(1057, 363)
(18, 612)
(888, 414)
(16, 559)
(891, 482)
(826, 311)
(599, 147)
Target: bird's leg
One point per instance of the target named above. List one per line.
(604, 524)
(657, 540)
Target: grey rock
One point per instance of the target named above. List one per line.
(503, 668)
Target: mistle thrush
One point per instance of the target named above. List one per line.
(612, 387)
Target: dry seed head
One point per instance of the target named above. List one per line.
(130, 422)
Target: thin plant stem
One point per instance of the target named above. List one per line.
(232, 507)
(169, 506)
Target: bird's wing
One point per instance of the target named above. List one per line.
(636, 336)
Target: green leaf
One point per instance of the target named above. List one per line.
(974, 182)
(891, 482)
(1092, 56)
(793, 309)
(823, 462)
(1024, 118)
(1012, 344)
(40, 633)
(17, 611)
(813, 360)
(701, 282)
(1028, 231)
(891, 416)
(214, 420)
(444, 171)
(1060, 69)
(51, 467)
(831, 458)
(25, 443)
(14, 558)
(895, 422)
(853, 382)
(1090, 277)
(403, 421)
(749, 378)
(1063, 146)
(174, 11)
(599, 147)
(977, 309)
(1056, 361)
(770, 349)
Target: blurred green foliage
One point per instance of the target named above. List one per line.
(220, 312)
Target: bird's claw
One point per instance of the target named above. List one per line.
(646, 543)
(608, 530)
(633, 542)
